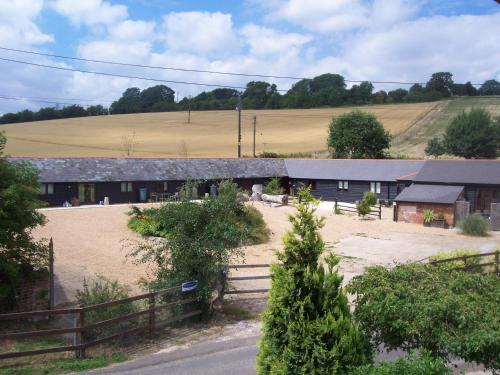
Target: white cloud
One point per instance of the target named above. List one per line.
(264, 41)
(132, 30)
(18, 26)
(199, 32)
(90, 12)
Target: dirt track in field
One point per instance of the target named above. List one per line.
(90, 241)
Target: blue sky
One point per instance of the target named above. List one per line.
(361, 39)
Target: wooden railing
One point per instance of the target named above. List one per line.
(231, 279)
(487, 262)
(81, 329)
(351, 207)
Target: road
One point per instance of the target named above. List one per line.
(212, 357)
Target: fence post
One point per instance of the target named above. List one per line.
(380, 211)
(152, 323)
(497, 261)
(465, 262)
(79, 336)
(51, 276)
(335, 207)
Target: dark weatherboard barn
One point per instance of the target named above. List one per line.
(347, 180)
(123, 180)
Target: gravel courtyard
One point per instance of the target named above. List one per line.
(93, 241)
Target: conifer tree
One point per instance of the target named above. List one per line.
(307, 327)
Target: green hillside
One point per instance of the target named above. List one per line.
(412, 142)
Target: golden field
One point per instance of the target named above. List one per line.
(210, 133)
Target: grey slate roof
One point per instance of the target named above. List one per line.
(460, 172)
(422, 193)
(353, 169)
(145, 169)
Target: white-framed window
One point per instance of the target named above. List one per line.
(165, 186)
(343, 185)
(375, 187)
(46, 189)
(126, 187)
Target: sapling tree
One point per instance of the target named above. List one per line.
(307, 327)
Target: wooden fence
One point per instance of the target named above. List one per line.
(231, 279)
(351, 207)
(81, 329)
(486, 262)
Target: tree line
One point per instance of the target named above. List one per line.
(326, 90)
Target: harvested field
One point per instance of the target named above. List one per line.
(210, 133)
(91, 241)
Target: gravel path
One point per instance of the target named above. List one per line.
(93, 240)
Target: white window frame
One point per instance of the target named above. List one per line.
(343, 185)
(46, 189)
(126, 187)
(375, 187)
(165, 185)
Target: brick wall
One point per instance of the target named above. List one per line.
(413, 212)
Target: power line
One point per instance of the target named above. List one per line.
(124, 75)
(35, 98)
(38, 100)
(200, 70)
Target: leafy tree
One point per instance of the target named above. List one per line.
(130, 102)
(307, 327)
(257, 94)
(202, 238)
(473, 134)
(357, 135)
(435, 148)
(273, 186)
(19, 253)
(441, 82)
(73, 110)
(48, 113)
(370, 198)
(97, 110)
(397, 96)
(380, 97)
(362, 93)
(156, 98)
(418, 306)
(490, 87)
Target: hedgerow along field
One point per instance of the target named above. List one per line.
(210, 133)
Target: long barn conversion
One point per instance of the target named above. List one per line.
(412, 185)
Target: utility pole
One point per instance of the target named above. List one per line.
(254, 130)
(189, 110)
(239, 126)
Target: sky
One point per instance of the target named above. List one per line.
(375, 40)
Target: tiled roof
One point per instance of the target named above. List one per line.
(460, 172)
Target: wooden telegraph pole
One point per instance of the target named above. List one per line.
(254, 130)
(239, 127)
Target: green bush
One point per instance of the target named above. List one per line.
(307, 327)
(429, 216)
(417, 306)
(370, 198)
(363, 208)
(414, 364)
(254, 226)
(102, 290)
(474, 225)
(273, 186)
(457, 263)
(203, 238)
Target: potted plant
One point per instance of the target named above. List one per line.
(439, 221)
(429, 216)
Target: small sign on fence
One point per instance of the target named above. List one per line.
(189, 286)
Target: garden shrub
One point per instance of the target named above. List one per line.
(370, 198)
(414, 364)
(100, 290)
(307, 326)
(203, 238)
(363, 208)
(417, 306)
(474, 225)
(273, 186)
(429, 216)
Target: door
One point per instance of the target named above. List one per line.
(484, 200)
(86, 193)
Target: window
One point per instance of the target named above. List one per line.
(165, 186)
(126, 187)
(343, 185)
(312, 184)
(375, 187)
(46, 189)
